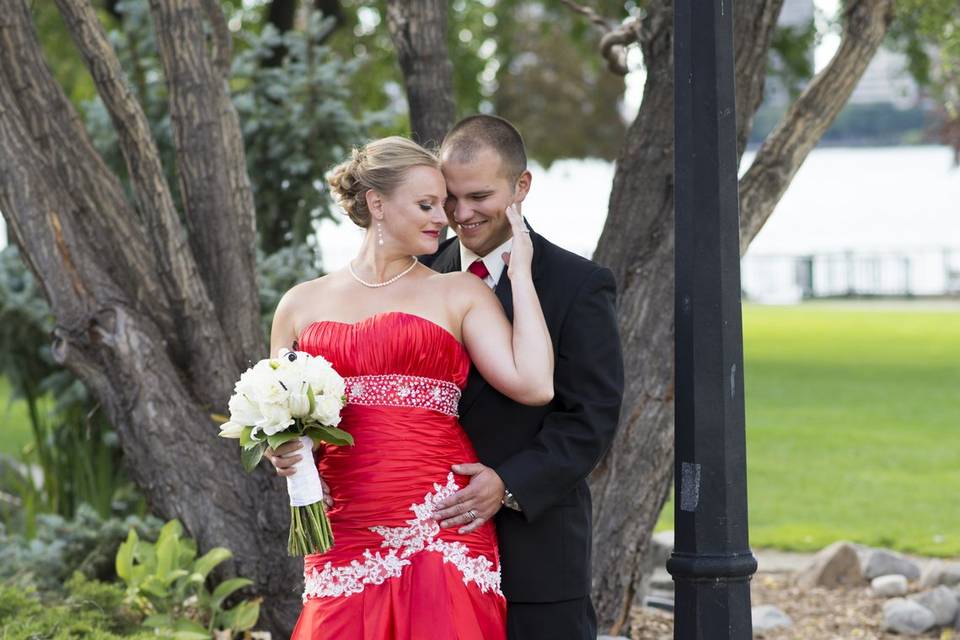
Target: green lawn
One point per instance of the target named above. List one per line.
(14, 423)
(853, 427)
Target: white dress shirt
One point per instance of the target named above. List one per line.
(493, 261)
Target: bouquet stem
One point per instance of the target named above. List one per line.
(309, 530)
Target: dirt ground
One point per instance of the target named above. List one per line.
(817, 614)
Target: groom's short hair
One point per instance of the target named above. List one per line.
(475, 132)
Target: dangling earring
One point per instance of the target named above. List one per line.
(380, 234)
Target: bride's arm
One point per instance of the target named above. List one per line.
(283, 333)
(516, 360)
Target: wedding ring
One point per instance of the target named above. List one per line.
(472, 514)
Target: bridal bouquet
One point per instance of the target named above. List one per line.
(294, 396)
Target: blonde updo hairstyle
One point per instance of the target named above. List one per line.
(380, 165)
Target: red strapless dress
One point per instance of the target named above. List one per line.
(392, 573)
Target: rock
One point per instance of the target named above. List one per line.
(653, 567)
(881, 562)
(938, 572)
(834, 566)
(767, 617)
(907, 617)
(660, 549)
(889, 586)
(942, 601)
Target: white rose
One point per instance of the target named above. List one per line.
(326, 410)
(299, 401)
(231, 430)
(275, 419)
(261, 383)
(243, 410)
(321, 375)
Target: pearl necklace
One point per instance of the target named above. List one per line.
(377, 285)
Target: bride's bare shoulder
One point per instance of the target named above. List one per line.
(303, 295)
(461, 286)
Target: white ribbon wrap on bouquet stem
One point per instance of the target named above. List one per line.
(304, 486)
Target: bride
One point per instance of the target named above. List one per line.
(404, 337)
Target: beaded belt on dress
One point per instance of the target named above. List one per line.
(395, 390)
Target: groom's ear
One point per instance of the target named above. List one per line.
(523, 186)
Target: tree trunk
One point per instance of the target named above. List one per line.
(632, 483)
(418, 29)
(157, 327)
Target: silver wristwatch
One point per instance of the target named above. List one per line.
(509, 501)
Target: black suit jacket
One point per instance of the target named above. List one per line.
(544, 454)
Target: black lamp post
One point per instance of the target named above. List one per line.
(711, 563)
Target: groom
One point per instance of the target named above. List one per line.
(535, 460)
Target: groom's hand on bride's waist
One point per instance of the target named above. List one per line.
(476, 503)
(285, 456)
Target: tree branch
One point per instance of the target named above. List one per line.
(808, 118)
(147, 178)
(106, 220)
(217, 196)
(418, 29)
(222, 42)
(616, 38)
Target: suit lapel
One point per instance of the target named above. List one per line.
(448, 260)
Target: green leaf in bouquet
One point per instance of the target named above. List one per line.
(278, 439)
(226, 588)
(251, 457)
(330, 435)
(312, 398)
(243, 616)
(211, 559)
(245, 440)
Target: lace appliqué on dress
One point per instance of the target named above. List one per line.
(420, 534)
(396, 390)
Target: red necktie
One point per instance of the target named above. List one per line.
(478, 269)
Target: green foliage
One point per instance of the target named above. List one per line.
(86, 543)
(791, 56)
(297, 123)
(92, 609)
(166, 582)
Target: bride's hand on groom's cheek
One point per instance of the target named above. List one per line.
(476, 503)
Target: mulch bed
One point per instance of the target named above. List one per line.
(817, 614)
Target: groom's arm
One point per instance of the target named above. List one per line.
(588, 384)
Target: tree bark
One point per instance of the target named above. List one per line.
(134, 319)
(632, 483)
(418, 29)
